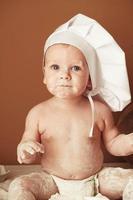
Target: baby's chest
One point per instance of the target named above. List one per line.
(64, 127)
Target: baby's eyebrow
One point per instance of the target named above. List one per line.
(51, 62)
(80, 62)
(72, 62)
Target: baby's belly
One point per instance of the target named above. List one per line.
(78, 164)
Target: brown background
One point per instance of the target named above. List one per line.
(24, 26)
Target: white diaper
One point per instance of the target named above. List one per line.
(85, 189)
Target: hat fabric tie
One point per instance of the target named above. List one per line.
(92, 114)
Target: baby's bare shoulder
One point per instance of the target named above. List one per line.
(102, 107)
(103, 114)
(36, 111)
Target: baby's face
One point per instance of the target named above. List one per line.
(66, 73)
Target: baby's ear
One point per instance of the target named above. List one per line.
(89, 85)
(44, 79)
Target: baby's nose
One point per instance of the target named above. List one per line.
(65, 75)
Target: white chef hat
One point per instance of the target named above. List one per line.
(106, 60)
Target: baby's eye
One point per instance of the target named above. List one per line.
(54, 67)
(76, 68)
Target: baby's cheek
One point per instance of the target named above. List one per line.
(51, 87)
(80, 89)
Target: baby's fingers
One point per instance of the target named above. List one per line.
(37, 147)
(29, 149)
(19, 159)
(41, 148)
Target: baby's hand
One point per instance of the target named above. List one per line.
(27, 150)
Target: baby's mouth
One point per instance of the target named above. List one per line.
(63, 85)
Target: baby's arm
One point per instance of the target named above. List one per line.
(116, 143)
(29, 147)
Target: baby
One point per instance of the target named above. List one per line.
(65, 132)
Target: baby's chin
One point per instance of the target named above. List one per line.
(66, 95)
